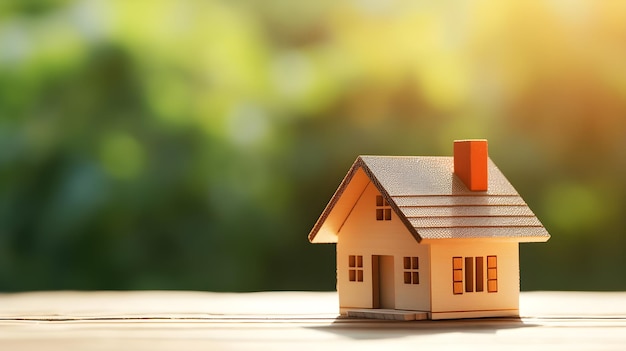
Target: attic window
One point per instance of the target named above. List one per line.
(383, 210)
(355, 273)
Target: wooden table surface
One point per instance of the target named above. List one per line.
(182, 320)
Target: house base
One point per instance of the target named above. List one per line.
(475, 314)
(405, 315)
(388, 314)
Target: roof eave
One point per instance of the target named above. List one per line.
(529, 239)
(318, 227)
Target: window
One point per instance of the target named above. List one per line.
(480, 274)
(457, 275)
(492, 274)
(411, 274)
(468, 273)
(383, 210)
(355, 271)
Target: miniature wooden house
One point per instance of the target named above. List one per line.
(438, 235)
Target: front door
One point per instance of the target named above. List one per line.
(383, 290)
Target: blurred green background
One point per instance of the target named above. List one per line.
(193, 144)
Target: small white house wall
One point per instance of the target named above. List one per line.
(362, 234)
(443, 298)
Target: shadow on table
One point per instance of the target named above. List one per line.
(368, 329)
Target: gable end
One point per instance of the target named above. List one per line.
(343, 201)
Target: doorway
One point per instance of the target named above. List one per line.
(383, 289)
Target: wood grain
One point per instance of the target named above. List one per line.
(164, 320)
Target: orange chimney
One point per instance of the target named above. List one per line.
(470, 163)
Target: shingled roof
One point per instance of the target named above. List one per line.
(433, 202)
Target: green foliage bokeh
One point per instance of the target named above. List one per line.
(193, 144)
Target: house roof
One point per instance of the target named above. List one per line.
(432, 201)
